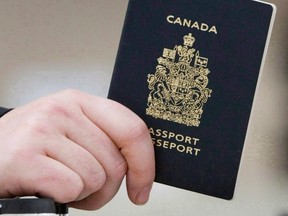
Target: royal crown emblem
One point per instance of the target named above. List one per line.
(178, 88)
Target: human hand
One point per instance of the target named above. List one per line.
(75, 148)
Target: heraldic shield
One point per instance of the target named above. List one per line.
(178, 88)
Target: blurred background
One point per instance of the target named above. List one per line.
(49, 45)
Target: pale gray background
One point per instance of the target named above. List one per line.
(48, 45)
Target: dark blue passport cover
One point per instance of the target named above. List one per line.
(189, 69)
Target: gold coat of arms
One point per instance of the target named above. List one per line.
(178, 88)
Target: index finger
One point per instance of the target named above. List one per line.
(132, 137)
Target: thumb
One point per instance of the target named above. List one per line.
(132, 137)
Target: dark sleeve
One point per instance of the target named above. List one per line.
(3, 111)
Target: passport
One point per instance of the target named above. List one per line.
(189, 69)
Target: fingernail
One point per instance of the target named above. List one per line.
(143, 196)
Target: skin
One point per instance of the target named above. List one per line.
(75, 148)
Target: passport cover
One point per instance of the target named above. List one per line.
(189, 69)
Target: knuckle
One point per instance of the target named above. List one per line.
(56, 108)
(48, 115)
(73, 193)
(96, 180)
(119, 170)
(71, 186)
(138, 130)
(35, 125)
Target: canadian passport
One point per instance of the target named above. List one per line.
(189, 69)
